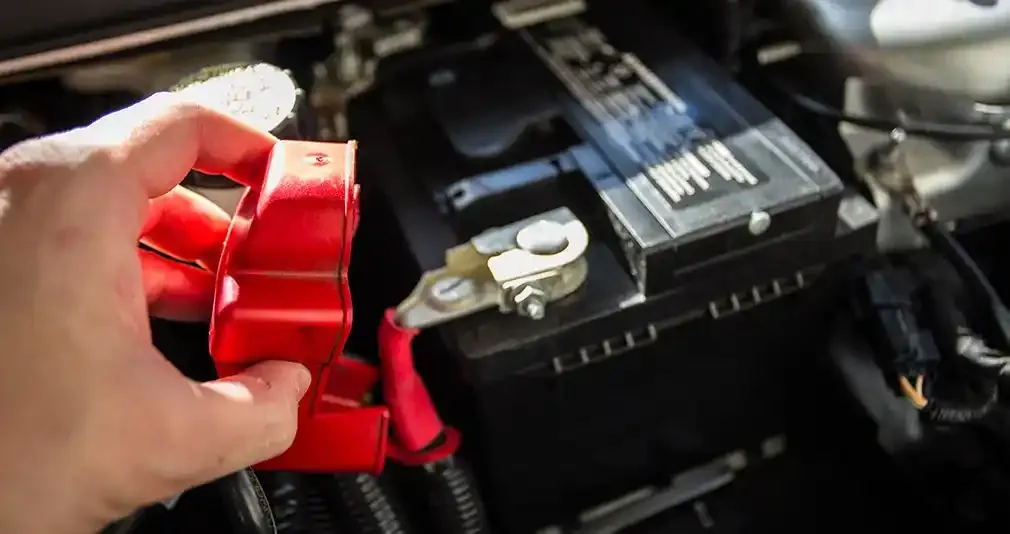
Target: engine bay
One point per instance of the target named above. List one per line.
(727, 267)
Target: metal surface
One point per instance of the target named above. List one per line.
(515, 14)
(953, 46)
(146, 37)
(759, 222)
(358, 46)
(495, 269)
(680, 154)
(957, 180)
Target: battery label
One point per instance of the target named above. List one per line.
(640, 114)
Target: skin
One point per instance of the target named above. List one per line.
(95, 421)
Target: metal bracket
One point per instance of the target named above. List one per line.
(886, 167)
(518, 268)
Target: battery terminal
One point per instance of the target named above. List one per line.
(520, 268)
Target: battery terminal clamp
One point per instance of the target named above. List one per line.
(519, 268)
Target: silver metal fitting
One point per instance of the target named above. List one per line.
(530, 302)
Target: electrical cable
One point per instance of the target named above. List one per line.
(980, 288)
(934, 130)
(966, 131)
(914, 394)
(895, 297)
(367, 504)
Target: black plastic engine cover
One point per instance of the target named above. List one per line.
(635, 375)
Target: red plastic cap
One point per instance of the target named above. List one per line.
(282, 295)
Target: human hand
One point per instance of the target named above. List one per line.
(94, 421)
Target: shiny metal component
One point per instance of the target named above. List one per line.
(515, 14)
(530, 301)
(359, 44)
(542, 237)
(956, 180)
(453, 289)
(491, 271)
(759, 222)
(956, 47)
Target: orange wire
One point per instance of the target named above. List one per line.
(914, 396)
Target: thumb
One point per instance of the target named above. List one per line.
(246, 418)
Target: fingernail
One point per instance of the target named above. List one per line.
(304, 380)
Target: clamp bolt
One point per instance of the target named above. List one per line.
(534, 309)
(530, 302)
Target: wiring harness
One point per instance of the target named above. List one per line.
(948, 371)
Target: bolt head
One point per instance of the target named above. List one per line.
(534, 309)
(530, 302)
(759, 222)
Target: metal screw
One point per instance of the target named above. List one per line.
(759, 222)
(452, 289)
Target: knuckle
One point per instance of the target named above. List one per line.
(188, 107)
(33, 156)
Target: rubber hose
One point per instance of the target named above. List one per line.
(247, 503)
(366, 505)
(299, 505)
(453, 499)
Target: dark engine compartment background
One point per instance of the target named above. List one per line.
(833, 477)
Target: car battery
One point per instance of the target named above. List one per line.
(716, 236)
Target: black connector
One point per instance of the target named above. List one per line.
(891, 311)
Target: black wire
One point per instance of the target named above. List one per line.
(976, 282)
(935, 130)
(966, 131)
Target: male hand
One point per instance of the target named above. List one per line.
(94, 422)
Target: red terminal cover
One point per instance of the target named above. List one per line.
(282, 294)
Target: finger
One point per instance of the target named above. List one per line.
(161, 138)
(175, 290)
(246, 418)
(186, 226)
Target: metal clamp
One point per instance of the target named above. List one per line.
(886, 167)
(517, 268)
